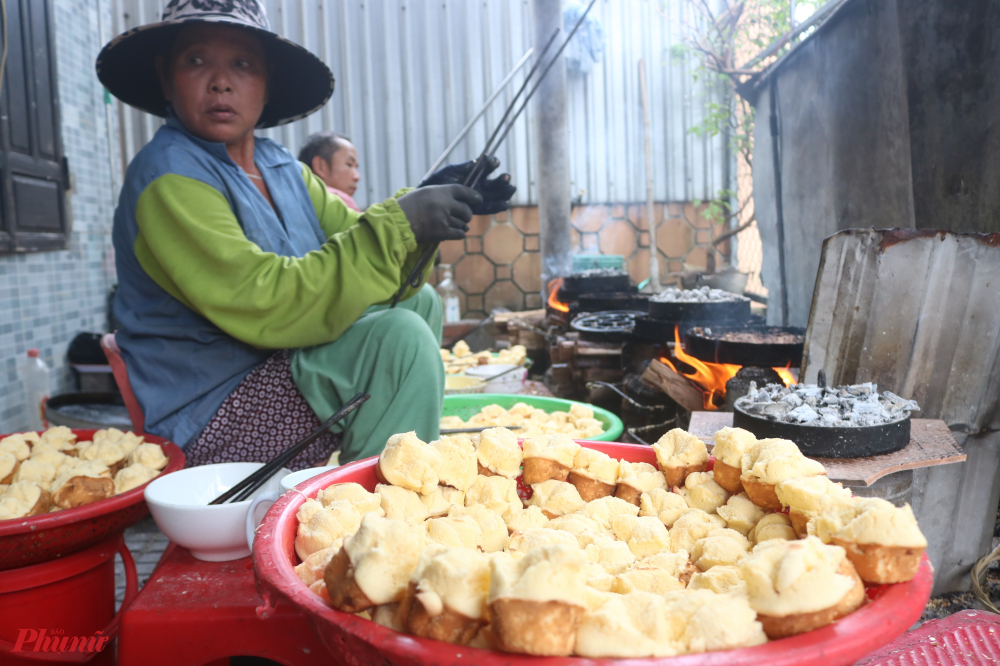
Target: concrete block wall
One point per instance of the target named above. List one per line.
(47, 298)
(499, 263)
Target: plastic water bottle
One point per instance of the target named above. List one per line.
(36, 388)
(449, 296)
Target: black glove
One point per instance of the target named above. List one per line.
(440, 212)
(496, 193)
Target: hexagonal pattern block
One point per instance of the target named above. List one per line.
(525, 218)
(506, 294)
(694, 215)
(589, 218)
(452, 251)
(479, 224)
(698, 256)
(637, 215)
(528, 272)
(474, 273)
(502, 243)
(589, 243)
(638, 266)
(618, 237)
(675, 209)
(675, 237)
(702, 236)
(474, 303)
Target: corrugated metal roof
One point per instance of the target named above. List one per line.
(410, 74)
(916, 311)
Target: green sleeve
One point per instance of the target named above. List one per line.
(191, 244)
(334, 217)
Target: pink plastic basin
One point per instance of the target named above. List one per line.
(353, 640)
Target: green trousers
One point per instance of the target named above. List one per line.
(391, 354)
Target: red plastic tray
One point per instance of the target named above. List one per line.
(967, 638)
(353, 640)
(38, 539)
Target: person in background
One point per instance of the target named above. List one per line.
(332, 157)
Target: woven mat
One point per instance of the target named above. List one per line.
(931, 443)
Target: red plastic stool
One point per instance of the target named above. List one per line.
(194, 613)
(120, 372)
(968, 638)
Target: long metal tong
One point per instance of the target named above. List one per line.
(248, 486)
(479, 168)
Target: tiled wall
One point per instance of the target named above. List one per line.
(47, 298)
(499, 264)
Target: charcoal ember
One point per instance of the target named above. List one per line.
(792, 399)
(803, 414)
(700, 295)
(858, 405)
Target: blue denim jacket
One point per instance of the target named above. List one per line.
(180, 365)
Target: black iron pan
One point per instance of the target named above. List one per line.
(613, 300)
(733, 312)
(823, 442)
(609, 326)
(712, 349)
(574, 285)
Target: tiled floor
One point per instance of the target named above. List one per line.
(147, 543)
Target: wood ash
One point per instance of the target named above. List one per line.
(858, 405)
(700, 295)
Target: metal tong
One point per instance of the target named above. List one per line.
(248, 486)
(479, 168)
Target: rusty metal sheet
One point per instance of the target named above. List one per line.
(916, 311)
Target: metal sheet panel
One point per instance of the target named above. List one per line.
(410, 73)
(918, 312)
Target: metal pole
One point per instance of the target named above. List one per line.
(654, 260)
(775, 126)
(552, 139)
(486, 105)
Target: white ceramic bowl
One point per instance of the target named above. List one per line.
(179, 504)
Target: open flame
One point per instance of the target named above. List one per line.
(786, 375)
(554, 302)
(711, 378)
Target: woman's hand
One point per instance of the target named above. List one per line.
(439, 212)
(496, 192)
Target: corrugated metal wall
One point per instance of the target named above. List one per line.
(410, 74)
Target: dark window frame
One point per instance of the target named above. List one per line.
(34, 174)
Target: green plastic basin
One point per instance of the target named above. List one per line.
(465, 406)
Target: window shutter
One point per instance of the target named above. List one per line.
(33, 177)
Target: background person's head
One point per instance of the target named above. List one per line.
(215, 77)
(333, 158)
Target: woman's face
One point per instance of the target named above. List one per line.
(216, 79)
(344, 168)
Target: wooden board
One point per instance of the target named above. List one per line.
(931, 444)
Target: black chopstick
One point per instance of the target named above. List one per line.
(259, 477)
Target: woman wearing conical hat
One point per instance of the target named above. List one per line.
(250, 300)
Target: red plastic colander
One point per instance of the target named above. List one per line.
(353, 640)
(27, 541)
